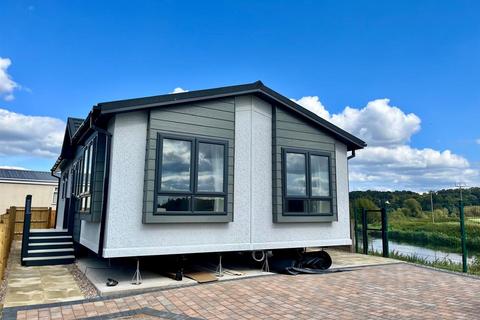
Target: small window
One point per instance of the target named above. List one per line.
(210, 204)
(55, 195)
(173, 203)
(191, 176)
(307, 183)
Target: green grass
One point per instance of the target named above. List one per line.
(447, 264)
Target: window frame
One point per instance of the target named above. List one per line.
(82, 184)
(192, 193)
(308, 175)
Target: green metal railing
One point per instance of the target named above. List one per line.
(383, 229)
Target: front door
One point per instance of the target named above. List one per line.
(69, 209)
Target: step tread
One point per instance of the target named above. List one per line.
(48, 230)
(48, 258)
(38, 244)
(50, 250)
(49, 237)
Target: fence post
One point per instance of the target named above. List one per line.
(49, 217)
(13, 218)
(355, 228)
(364, 231)
(385, 251)
(464, 240)
(26, 227)
(3, 247)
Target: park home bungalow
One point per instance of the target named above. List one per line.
(226, 169)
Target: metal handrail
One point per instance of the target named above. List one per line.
(26, 227)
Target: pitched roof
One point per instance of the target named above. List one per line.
(77, 127)
(73, 124)
(26, 175)
(257, 88)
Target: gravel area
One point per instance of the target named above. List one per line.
(86, 287)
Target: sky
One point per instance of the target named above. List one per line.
(402, 75)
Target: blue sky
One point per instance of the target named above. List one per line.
(66, 56)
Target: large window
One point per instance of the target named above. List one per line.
(307, 183)
(83, 173)
(191, 176)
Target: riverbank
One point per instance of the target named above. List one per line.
(443, 235)
(432, 244)
(447, 264)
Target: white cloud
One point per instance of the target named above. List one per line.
(313, 104)
(13, 168)
(178, 90)
(389, 162)
(7, 85)
(477, 141)
(404, 167)
(379, 123)
(30, 135)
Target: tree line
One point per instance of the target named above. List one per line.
(409, 203)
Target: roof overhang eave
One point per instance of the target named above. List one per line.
(352, 142)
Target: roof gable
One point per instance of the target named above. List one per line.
(73, 124)
(257, 88)
(100, 113)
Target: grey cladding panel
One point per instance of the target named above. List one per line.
(213, 119)
(290, 131)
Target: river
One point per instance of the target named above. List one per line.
(421, 252)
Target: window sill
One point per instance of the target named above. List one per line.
(191, 218)
(303, 218)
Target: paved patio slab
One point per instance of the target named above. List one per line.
(38, 285)
(391, 291)
(343, 259)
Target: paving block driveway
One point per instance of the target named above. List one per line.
(395, 291)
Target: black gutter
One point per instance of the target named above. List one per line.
(352, 155)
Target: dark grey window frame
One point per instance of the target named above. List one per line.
(78, 168)
(191, 215)
(306, 216)
(64, 184)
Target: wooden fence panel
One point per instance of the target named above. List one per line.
(42, 218)
(11, 227)
(7, 227)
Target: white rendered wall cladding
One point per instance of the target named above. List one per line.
(125, 234)
(252, 228)
(267, 234)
